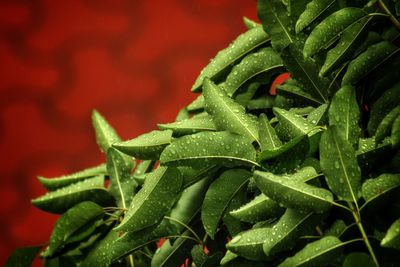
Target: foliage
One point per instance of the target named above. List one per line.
(307, 177)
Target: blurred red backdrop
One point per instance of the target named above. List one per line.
(134, 61)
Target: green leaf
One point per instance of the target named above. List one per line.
(269, 140)
(296, 93)
(71, 222)
(105, 134)
(173, 254)
(219, 195)
(207, 148)
(358, 259)
(192, 174)
(293, 193)
(313, 11)
(22, 257)
(263, 102)
(380, 191)
(278, 23)
(227, 114)
(259, 209)
(339, 164)
(122, 184)
(250, 24)
(197, 104)
(228, 257)
(331, 27)
(146, 146)
(392, 237)
(284, 234)
(142, 168)
(336, 229)
(291, 125)
(263, 61)
(60, 200)
(369, 60)
(348, 43)
(384, 128)
(344, 113)
(61, 181)
(395, 134)
(249, 244)
(370, 155)
(317, 253)
(189, 126)
(222, 62)
(306, 72)
(388, 101)
(183, 114)
(319, 116)
(153, 201)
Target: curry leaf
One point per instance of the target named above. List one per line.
(292, 193)
(227, 114)
(189, 126)
(395, 134)
(219, 195)
(269, 140)
(317, 253)
(358, 258)
(161, 186)
(223, 148)
(105, 134)
(62, 199)
(243, 44)
(339, 164)
(384, 128)
(61, 181)
(146, 146)
(319, 116)
(344, 113)
(392, 237)
(313, 11)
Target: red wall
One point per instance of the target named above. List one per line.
(134, 61)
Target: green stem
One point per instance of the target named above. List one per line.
(131, 262)
(386, 9)
(357, 218)
(187, 227)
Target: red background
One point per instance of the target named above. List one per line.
(134, 61)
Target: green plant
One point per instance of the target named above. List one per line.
(307, 177)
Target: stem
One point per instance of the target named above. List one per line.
(357, 218)
(392, 18)
(130, 259)
(187, 227)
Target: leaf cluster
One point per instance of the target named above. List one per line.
(309, 176)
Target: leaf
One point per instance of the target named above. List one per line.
(313, 11)
(249, 244)
(222, 62)
(380, 191)
(224, 148)
(219, 195)
(278, 23)
(263, 61)
(153, 200)
(105, 134)
(259, 209)
(331, 27)
(183, 114)
(392, 237)
(336, 229)
(388, 101)
(122, 184)
(284, 234)
(72, 221)
(192, 174)
(291, 125)
(395, 134)
(263, 102)
(228, 257)
(384, 128)
(296, 93)
(348, 43)
(142, 168)
(369, 60)
(269, 140)
(306, 72)
(61, 181)
(339, 164)
(22, 257)
(173, 254)
(189, 126)
(146, 146)
(197, 104)
(201, 259)
(358, 259)
(317, 253)
(344, 113)
(292, 193)
(250, 24)
(319, 116)
(227, 114)
(370, 155)
(60, 200)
